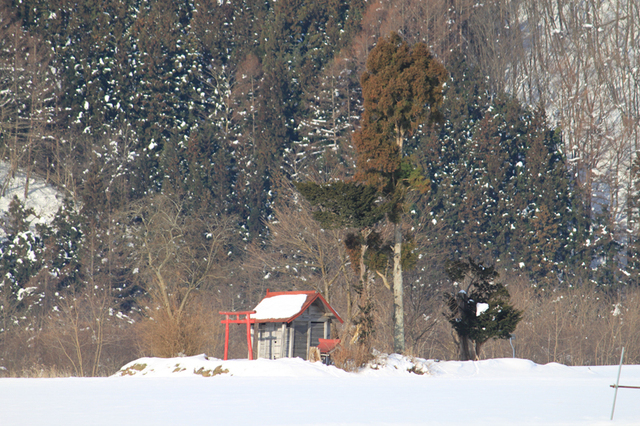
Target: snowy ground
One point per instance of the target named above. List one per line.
(153, 391)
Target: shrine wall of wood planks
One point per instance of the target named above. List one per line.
(281, 339)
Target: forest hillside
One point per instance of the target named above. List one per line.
(177, 135)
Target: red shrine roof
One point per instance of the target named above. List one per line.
(286, 306)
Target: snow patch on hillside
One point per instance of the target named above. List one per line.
(43, 198)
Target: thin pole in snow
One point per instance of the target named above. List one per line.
(615, 395)
(511, 336)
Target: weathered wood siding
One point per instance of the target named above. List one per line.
(300, 339)
(276, 340)
(270, 341)
(317, 332)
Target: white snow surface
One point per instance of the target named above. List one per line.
(296, 392)
(278, 307)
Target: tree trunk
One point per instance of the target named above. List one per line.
(465, 344)
(398, 302)
(466, 349)
(478, 346)
(398, 306)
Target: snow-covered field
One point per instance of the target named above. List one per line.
(152, 391)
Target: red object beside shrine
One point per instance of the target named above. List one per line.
(327, 346)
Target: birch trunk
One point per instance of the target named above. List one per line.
(398, 306)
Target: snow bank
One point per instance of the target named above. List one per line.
(384, 365)
(202, 365)
(395, 364)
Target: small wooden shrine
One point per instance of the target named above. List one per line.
(287, 324)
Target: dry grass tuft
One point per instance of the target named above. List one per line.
(195, 332)
(351, 356)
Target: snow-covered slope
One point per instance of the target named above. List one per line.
(44, 199)
(200, 390)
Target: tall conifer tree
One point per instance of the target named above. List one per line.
(402, 88)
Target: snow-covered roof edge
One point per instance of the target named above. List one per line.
(311, 297)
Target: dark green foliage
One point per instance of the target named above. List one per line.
(63, 241)
(16, 221)
(168, 73)
(633, 247)
(331, 111)
(228, 31)
(500, 184)
(343, 204)
(91, 45)
(20, 252)
(37, 261)
(604, 251)
(297, 40)
(477, 285)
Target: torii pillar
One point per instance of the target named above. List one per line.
(237, 320)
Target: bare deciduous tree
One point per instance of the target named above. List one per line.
(26, 97)
(582, 65)
(80, 326)
(178, 254)
(300, 250)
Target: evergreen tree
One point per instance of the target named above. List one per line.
(21, 251)
(402, 88)
(20, 260)
(633, 214)
(331, 111)
(95, 70)
(27, 98)
(62, 243)
(353, 206)
(480, 310)
(500, 187)
(296, 42)
(342, 204)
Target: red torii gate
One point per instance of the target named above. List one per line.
(237, 320)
